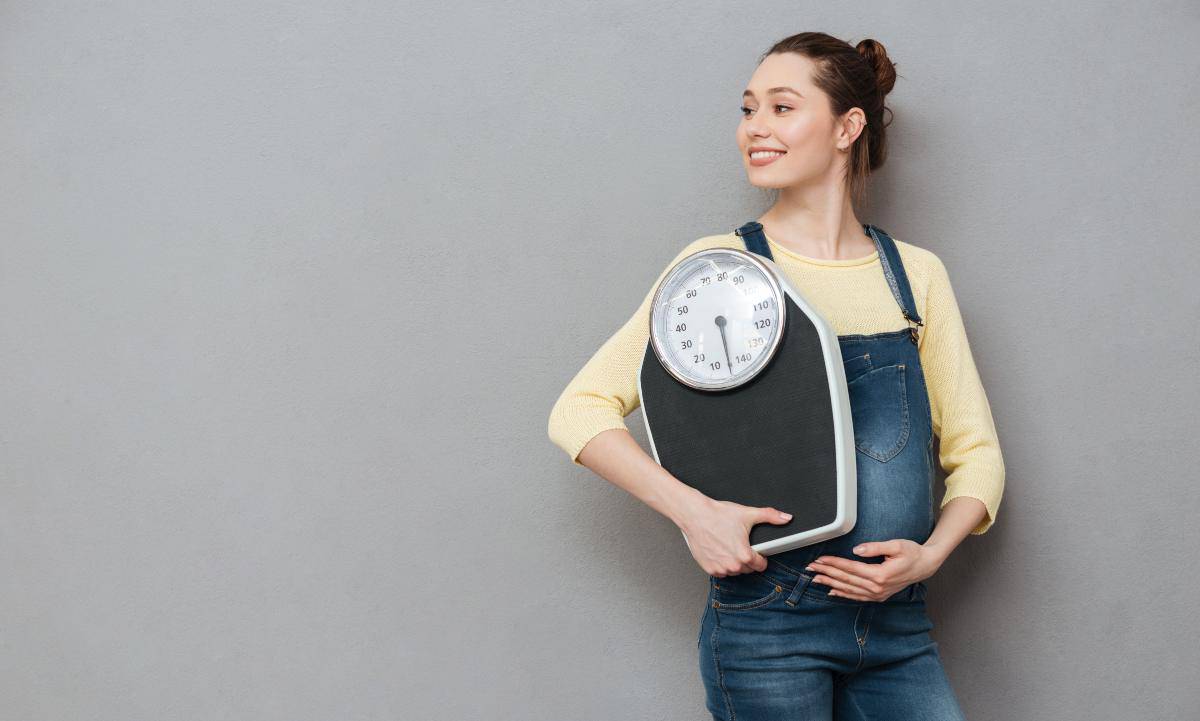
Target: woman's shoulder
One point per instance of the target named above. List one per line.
(708, 242)
(921, 265)
(918, 254)
(716, 240)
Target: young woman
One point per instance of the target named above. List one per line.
(838, 629)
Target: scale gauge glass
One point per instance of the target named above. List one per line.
(717, 318)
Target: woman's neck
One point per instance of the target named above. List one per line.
(841, 239)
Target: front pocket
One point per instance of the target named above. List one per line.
(879, 408)
(744, 591)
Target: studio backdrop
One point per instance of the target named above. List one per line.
(289, 291)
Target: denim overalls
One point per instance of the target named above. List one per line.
(772, 644)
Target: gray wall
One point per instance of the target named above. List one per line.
(289, 291)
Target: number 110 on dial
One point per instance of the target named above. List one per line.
(717, 318)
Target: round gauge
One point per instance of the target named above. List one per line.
(717, 318)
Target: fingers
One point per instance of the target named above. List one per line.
(878, 548)
(870, 571)
(747, 561)
(849, 586)
(754, 562)
(845, 581)
(854, 596)
(771, 515)
(860, 580)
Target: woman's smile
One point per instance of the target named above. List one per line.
(765, 157)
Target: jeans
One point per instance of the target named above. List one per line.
(772, 646)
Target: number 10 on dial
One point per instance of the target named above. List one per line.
(717, 318)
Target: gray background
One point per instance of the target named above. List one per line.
(289, 291)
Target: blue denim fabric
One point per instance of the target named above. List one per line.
(773, 645)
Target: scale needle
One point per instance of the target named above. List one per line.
(720, 320)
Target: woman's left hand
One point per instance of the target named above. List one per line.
(906, 562)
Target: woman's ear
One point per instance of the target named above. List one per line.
(854, 122)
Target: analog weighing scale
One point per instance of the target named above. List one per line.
(744, 396)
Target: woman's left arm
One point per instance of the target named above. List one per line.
(959, 516)
(968, 446)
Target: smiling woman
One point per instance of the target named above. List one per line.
(775, 632)
(823, 88)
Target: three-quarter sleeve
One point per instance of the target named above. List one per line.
(605, 390)
(962, 417)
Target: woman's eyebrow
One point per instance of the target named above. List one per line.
(773, 91)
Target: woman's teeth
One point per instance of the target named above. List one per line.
(765, 154)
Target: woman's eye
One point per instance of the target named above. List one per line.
(748, 110)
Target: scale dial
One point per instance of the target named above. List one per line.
(717, 318)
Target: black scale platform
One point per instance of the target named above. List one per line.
(767, 442)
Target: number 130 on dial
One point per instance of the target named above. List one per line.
(717, 318)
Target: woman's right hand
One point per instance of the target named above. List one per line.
(718, 535)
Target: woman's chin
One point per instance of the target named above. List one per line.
(758, 181)
(769, 178)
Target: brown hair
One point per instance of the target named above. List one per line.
(852, 76)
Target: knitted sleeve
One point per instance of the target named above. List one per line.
(605, 390)
(962, 418)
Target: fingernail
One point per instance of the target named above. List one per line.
(808, 568)
(786, 516)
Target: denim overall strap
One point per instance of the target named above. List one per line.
(893, 270)
(752, 235)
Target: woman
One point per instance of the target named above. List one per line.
(838, 629)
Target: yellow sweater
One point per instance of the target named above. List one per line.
(854, 297)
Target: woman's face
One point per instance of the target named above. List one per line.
(799, 123)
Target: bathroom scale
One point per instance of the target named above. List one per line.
(744, 396)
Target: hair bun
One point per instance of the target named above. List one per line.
(885, 69)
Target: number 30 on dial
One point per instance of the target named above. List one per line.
(717, 318)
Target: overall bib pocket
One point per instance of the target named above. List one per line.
(879, 407)
(856, 365)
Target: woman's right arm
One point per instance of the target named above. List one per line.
(587, 422)
(605, 390)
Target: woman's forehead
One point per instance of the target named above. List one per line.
(782, 70)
